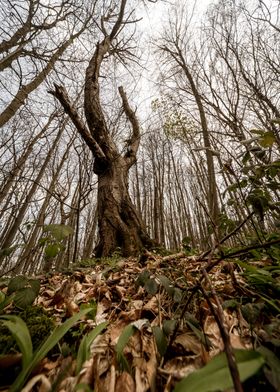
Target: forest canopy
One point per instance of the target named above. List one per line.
(81, 150)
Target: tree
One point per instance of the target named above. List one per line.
(177, 49)
(119, 223)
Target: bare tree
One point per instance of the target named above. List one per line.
(177, 50)
(119, 223)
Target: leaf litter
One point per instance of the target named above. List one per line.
(160, 327)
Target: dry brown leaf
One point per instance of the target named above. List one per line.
(125, 383)
(189, 342)
(180, 367)
(44, 387)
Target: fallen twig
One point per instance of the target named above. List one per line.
(219, 317)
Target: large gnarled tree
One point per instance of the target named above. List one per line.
(119, 223)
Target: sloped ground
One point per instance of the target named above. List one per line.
(174, 306)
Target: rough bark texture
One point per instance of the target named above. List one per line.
(119, 223)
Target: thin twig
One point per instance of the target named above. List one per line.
(228, 235)
(219, 317)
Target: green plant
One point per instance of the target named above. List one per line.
(151, 285)
(54, 236)
(22, 291)
(215, 376)
(84, 348)
(30, 359)
(128, 331)
(38, 323)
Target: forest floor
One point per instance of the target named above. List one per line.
(163, 320)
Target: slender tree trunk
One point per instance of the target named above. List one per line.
(22, 210)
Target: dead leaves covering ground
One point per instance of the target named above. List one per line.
(152, 305)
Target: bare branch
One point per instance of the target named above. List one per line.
(135, 138)
(61, 94)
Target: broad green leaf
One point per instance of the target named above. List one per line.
(17, 283)
(59, 232)
(52, 250)
(24, 297)
(47, 345)
(161, 340)
(216, 376)
(84, 348)
(21, 334)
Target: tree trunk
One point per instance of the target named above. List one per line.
(119, 223)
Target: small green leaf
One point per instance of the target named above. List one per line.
(251, 312)
(161, 340)
(21, 335)
(246, 157)
(8, 251)
(257, 131)
(84, 387)
(215, 376)
(177, 295)
(230, 303)
(84, 348)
